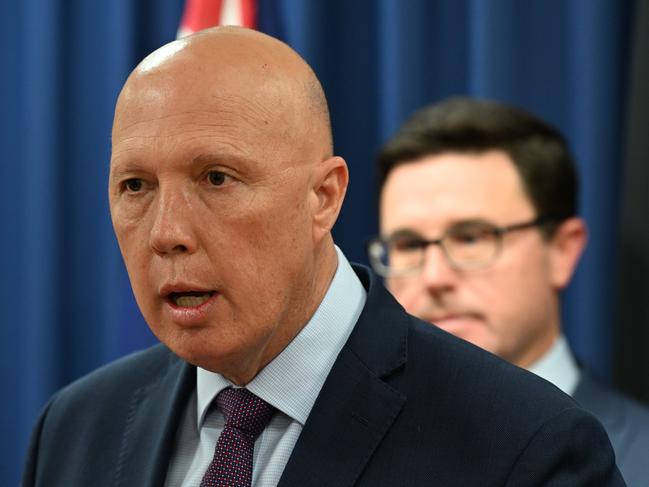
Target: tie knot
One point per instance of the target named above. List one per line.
(244, 411)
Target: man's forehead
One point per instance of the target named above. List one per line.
(255, 100)
(158, 115)
(222, 94)
(447, 188)
(471, 175)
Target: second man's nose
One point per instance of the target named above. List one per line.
(437, 272)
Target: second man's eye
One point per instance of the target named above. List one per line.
(472, 235)
(407, 244)
(216, 178)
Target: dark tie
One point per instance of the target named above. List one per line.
(246, 416)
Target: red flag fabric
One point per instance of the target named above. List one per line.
(201, 14)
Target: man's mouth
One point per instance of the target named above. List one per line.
(455, 321)
(189, 299)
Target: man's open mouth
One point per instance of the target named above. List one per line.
(189, 299)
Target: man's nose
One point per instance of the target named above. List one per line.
(172, 230)
(437, 273)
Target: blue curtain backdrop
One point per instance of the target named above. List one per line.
(66, 303)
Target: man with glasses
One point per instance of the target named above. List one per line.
(480, 233)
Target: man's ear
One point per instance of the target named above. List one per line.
(566, 246)
(329, 187)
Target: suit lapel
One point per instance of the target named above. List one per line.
(355, 407)
(152, 422)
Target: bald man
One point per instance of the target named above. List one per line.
(280, 363)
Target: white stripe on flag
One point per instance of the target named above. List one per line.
(231, 13)
(201, 14)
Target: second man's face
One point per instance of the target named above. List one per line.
(508, 307)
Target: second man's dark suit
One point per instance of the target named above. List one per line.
(405, 404)
(627, 424)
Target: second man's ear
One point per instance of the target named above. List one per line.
(566, 246)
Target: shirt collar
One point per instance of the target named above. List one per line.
(558, 366)
(292, 381)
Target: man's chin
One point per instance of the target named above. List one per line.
(215, 354)
(198, 346)
(211, 361)
(463, 326)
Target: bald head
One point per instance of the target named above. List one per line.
(223, 191)
(221, 67)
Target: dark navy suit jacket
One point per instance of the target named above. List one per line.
(627, 424)
(405, 404)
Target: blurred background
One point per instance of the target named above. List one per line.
(65, 301)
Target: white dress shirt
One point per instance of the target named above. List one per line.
(559, 366)
(291, 382)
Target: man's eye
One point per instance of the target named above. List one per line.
(471, 236)
(133, 185)
(467, 237)
(216, 178)
(407, 244)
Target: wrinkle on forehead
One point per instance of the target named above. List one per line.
(222, 114)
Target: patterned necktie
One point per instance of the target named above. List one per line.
(246, 415)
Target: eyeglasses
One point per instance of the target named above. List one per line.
(466, 246)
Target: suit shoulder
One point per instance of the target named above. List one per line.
(124, 374)
(625, 420)
(493, 418)
(606, 401)
(473, 371)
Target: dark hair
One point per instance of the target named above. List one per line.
(459, 124)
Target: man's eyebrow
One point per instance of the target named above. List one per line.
(126, 165)
(120, 170)
(410, 233)
(225, 158)
(118, 174)
(470, 221)
(404, 233)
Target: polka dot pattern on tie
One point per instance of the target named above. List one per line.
(246, 416)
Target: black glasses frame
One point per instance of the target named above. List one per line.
(498, 232)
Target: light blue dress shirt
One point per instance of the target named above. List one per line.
(291, 382)
(559, 367)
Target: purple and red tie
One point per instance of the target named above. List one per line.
(246, 416)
